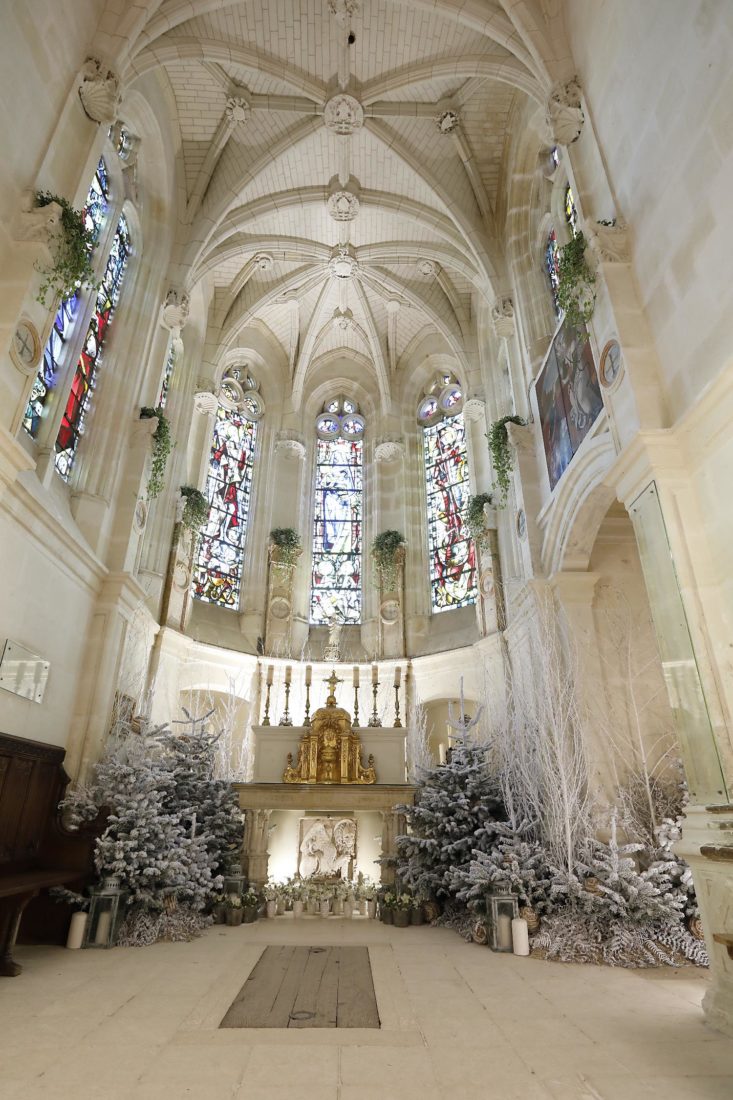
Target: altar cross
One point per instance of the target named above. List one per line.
(332, 680)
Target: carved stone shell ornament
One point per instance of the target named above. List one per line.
(565, 116)
(99, 92)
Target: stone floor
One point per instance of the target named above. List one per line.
(457, 1020)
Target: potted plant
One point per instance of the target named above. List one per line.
(286, 545)
(324, 899)
(195, 509)
(270, 891)
(340, 891)
(476, 519)
(234, 911)
(417, 913)
(250, 903)
(401, 912)
(72, 247)
(501, 456)
(219, 909)
(387, 907)
(162, 447)
(388, 551)
(296, 893)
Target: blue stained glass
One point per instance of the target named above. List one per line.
(167, 375)
(552, 266)
(452, 551)
(80, 396)
(95, 209)
(336, 578)
(217, 575)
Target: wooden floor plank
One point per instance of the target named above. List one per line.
(259, 993)
(279, 1014)
(307, 1007)
(357, 1004)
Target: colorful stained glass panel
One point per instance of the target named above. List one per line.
(79, 400)
(167, 375)
(336, 579)
(452, 552)
(218, 569)
(552, 266)
(95, 209)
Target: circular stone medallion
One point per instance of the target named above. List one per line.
(611, 364)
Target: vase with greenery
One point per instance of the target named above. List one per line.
(387, 552)
(162, 447)
(195, 509)
(575, 293)
(250, 905)
(501, 456)
(401, 910)
(286, 541)
(234, 911)
(476, 520)
(71, 249)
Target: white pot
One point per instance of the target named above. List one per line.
(348, 909)
(271, 909)
(363, 907)
(325, 908)
(297, 908)
(338, 907)
(372, 908)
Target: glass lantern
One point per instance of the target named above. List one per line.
(234, 886)
(106, 912)
(501, 911)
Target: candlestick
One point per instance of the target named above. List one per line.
(270, 674)
(308, 675)
(355, 723)
(397, 702)
(307, 719)
(266, 719)
(374, 720)
(286, 720)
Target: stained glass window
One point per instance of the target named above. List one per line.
(165, 385)
(451, 549)
(552, 266)
(95, 209)
(217, 575)
(77, 405)
(571, 211)
(336, 577)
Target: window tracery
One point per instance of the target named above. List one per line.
(337, 517)
(217, 576)
(452, 555)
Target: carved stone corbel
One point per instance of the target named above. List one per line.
(174, 313)
(609, 244)
(565, 116)
(502, 318)
(389, 450)
(99, 91)
(36, 223)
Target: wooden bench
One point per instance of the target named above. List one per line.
(36, 850)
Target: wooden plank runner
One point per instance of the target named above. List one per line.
(303, 987)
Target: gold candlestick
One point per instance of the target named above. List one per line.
(355, 723)
(266, 719)
(374, 720)
(286, 720)
(307, 719)
(397, 706)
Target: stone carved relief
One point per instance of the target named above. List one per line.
(263, 261)
(343, 206)
(327, 847)
(389, 450)
(342, 264)
(474, 409)
(290, 447)
(343, 114)
(502, 318)
(389, 612)
(343, 10)
(609, 244)
(427, 268)
(175, 310)
(565, 116)
(205, 401)
(36, 223)
(237, 110)
(343, 319)
(448, 121)
(99, 92)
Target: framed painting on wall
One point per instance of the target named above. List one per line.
(568, 397)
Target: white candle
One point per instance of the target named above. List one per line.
(308, 675)
(356, 676)
(104, 924)
(270, 674)
(520, 936)
(441, 754)
(76, 931)
(397, 675)
(288, 673)
(375, 674)
(504, 931)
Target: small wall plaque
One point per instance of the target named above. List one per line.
(22, 672)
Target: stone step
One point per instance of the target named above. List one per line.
(717, 852)
(727, 808)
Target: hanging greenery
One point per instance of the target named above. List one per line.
(71, 248)
(501, 456)
(475, 519)
(385, 551)
(575, 293)
(162, 447)
(287, 541)
(195, 510)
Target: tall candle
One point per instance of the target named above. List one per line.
(375, 674)
(397, 674)
(308, 675)
(76, 931)
(504, 931)
(356, 676)
(270, 674)
(104, 923)
(288, 673)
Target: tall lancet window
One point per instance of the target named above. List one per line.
(95, 210)
(85, 375)
(451, 549)
(217, 574)
(337, 516)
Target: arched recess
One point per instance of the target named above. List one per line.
(581, 500)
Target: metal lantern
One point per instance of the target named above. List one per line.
(501, 911)
(105, 915)
(234, 886)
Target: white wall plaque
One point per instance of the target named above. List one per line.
(22, 672)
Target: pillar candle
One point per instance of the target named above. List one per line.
(504, 930)
(356, 676)
(288, 673)
(76, 931)
(375, 674)
(103, 926)
(270, 674)
(441, 753)
(308, 675)
(397, 675)
(520, 936)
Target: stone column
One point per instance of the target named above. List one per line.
(389, 455)
(256, 838)
(394, 824)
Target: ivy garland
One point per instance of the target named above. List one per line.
(195, 510)
(385, 551)
(501, 455)
(162, 447)
(287, 540)
(475, 519)
(71, 266)
(575, 293)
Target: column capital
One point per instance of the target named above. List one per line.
(574, 587)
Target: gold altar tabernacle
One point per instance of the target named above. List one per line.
(330, 750)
